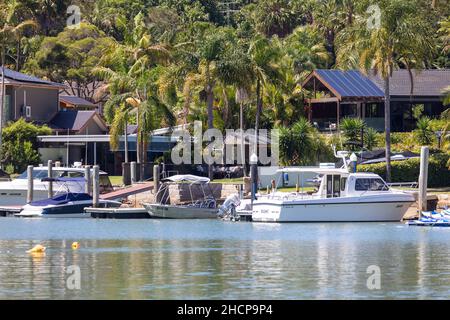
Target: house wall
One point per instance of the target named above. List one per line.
(43, 102)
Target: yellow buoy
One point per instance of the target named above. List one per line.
(37, 249)
(75, 245)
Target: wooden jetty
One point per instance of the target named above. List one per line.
(6, 211)
(128, 191)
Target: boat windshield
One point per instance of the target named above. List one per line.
(43, 173)
(370, 184)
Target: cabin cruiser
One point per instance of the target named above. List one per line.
(14, 193)
(204, 208)
(342, 196)
(64, 205)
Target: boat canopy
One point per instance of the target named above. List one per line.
(187, 178)
(317, 170)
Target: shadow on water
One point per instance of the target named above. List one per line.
(217, 260)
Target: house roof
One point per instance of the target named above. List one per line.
(76, 101)
(18, 77)
(132, 129)
(426, 82)
(343, 84)
(75, 120)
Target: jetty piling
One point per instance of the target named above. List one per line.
(156, 174)
(87, 178)
(50, 175)
(423, 179)
(30, 184)
(96, 187)
(133, 172)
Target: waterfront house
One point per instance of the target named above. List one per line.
(337, 94)
(29, 97)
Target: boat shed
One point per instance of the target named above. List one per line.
(337, 94)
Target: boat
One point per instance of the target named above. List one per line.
(66, 205)
(342, 196)
(14, 193)
(204, 208)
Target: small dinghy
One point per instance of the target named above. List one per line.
(432, 219)
(204, 208)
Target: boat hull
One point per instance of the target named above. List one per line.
(328, 211)
(69, 210)
(179, 212)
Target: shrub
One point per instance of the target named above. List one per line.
(19, 147)
(352, 129)
(408, 170)
(423, 133)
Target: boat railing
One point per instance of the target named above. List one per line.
(412, 184)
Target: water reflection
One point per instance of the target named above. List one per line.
(233, 261)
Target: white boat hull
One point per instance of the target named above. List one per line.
(327, 210)
(180, 212)
(68, 210)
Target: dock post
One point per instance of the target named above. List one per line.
(133, 172)
(96, 187)
(87, 180)
(253, 175)
(156, 181)
(423, 179)
(30, 184)
(50, 175)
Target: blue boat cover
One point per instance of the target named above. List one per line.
(62, 199)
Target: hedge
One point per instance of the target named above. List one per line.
(408, 170)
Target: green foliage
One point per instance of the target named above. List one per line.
(370, 138)
(302, 145)
(408, 170)
(423, 133)
(353, 130)
(19, 147)
(70, 58)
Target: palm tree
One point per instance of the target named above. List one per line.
(9, 33)
(403, 38)
(263, 56)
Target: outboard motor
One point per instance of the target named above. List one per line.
(229, 205)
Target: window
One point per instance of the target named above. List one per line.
(343, 183)
(28, 111)
(370, 184)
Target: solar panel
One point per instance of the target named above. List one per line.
(18, 76)
(350, 83)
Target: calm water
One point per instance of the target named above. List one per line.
(169, 259)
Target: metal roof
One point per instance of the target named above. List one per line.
(21, 77)
(346, 84)
(425, 82)
(72, 119)
(77, 101)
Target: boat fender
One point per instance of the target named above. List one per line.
(37, 249)
(75, 245)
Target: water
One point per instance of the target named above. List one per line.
(175, 259)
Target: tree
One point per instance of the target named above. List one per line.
(8, 35)
(402, 38)
(70, 58)
(19, 147)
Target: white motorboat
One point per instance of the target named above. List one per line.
(14, 193)
(65, 205)
(204, 208)
(341, 197)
